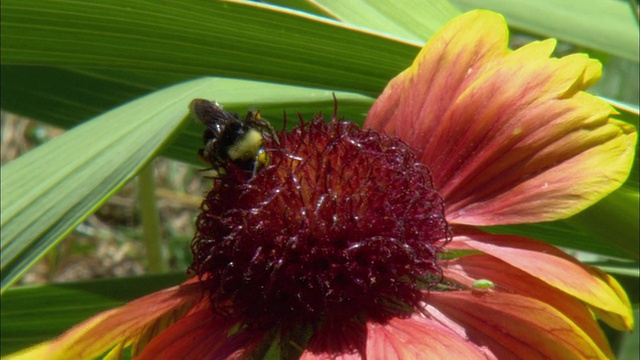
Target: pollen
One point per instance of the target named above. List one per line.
(341, 223)
(247, 147)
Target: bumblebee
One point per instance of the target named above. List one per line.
(228, 139)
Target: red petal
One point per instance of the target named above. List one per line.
(514, 326)
(201, 335)
(122, 326)
(467, 269)
(418, 337)
(413, 338)
(341, 336)
(328, 356)
(555, 268)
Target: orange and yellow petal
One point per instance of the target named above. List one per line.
(202, 335)
(617, 321)
(556, 269)
(514, 326)
(118, 328)
(506, 278)
(510, 136)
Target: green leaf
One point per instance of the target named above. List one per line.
(27, 90)
(630, 342)
(50, 190)
(303, 5)
(620, 268)
(181, 40)
(31, 315)
(605, 25)
(35, 92)
(411, 20)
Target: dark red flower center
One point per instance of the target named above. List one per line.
(343, 223)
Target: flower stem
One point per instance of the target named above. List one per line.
(150, 221)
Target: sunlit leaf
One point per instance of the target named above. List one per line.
(605, 25)
(161, 43)
(34, 314)
(50, 190)
(406, 19)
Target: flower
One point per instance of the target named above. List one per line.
(361, 243)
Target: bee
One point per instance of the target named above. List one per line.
(228, 139)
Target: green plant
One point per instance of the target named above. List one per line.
(122, 73)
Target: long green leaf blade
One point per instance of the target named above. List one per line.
(27, 90)
(605, 25)
(412, 20)
(183, 40)
(34, 314)
(50, 190)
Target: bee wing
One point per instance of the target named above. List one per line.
(212, 115)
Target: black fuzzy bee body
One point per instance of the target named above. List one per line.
(230, 140)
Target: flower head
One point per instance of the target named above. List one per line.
(317, 234)
(341, 246)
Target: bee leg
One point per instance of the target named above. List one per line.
(262, 160)
(202, 157)
(274, 135)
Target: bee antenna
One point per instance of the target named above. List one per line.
(335, 107)
(301, 119)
